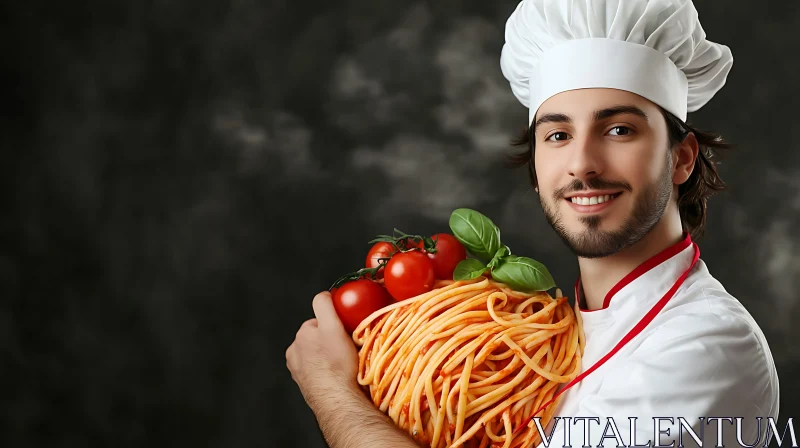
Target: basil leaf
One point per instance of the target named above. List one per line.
(469, 269)
(476, 232)
(502, 252)
(523, 274)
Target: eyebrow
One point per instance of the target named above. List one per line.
(619, 110)
(599, 115)
(551, 118)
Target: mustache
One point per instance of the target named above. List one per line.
(594, 183)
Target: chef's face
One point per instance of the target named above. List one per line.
(604, 168)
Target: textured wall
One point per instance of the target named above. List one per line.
(179, 180)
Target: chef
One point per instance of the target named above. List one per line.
(624, 181)
(671, 358)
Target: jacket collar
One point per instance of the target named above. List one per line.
(645, 284)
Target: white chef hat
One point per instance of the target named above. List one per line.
(654, 48)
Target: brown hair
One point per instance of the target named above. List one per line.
(692, 194)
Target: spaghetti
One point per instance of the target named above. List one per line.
(468, 361)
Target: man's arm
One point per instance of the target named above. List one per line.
(324, 364)
(349, 420)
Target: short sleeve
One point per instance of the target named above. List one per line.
(692, 366)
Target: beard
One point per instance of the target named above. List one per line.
(648, 209)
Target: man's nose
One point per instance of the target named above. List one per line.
(585, 161)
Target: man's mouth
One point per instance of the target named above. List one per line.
(591, 203)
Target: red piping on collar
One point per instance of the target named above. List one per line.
(640, 270)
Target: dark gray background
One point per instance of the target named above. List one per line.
(180, 178)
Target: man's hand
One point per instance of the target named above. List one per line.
(323, 357)
(324, 363)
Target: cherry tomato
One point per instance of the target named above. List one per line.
(381, 249)
(355, 301)
(449, 252)
(409, 274)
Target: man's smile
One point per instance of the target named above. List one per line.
(591, 202)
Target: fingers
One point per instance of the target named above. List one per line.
(325, 312)
(311, 323)
(290, 351)
(307, 325)
(290, 357)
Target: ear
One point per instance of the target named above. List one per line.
(685, 155)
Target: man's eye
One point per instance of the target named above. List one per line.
(620, 131)
(558, 137)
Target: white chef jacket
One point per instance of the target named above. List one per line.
(702, 355)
